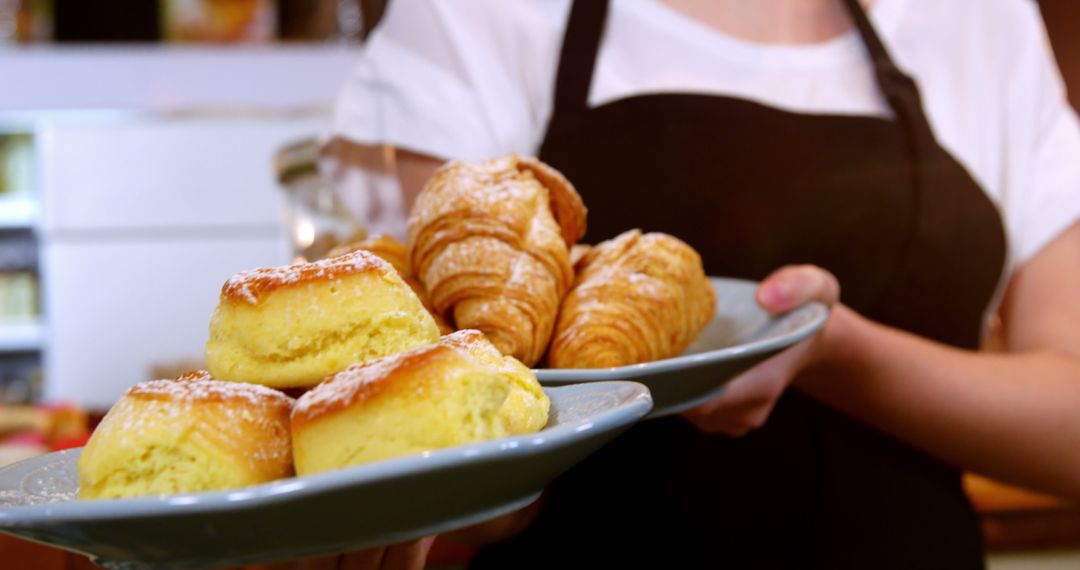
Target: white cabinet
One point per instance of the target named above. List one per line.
(193, 173)
(143, 222)
(117, 309)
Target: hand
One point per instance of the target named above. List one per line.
(748, 400)
(405, 556)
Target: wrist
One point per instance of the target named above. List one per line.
(839, 347)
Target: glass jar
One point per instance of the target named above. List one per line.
(316, 217)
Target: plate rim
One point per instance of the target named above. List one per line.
(819, 314)
(634, 407)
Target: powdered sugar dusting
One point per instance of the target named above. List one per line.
(464, 339)
(247, 420)
(54, 482)
(250, 286)
(638, 298)
(485, 244)
(343, 387)
(198, 385)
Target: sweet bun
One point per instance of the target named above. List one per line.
(187, 435)
(393, 252)
(458, 391)
(292, 326)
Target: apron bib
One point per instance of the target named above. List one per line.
(915, 243)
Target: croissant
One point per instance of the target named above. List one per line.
(393, 252)
(577, 253)
(637, 298)
(490, 243)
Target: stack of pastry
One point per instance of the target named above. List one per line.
(493, 243)
(355, 330)
(491, 246)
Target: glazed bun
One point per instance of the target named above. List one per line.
(187, 435)
(292, 326)
(458, 391)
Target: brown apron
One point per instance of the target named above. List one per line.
(915, 243)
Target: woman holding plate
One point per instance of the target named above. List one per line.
(912, 164)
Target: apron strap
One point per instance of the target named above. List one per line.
(899, 89)
(584, 31)
(902, 94)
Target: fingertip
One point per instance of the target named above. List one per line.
(794, 285)
(773, 296)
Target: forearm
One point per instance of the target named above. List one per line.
(1011, 416)
(413, 171)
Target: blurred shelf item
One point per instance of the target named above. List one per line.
(18, 256)
(988, 495)
(187, 21)
(20, 381)
(18, 213)
(24, 336)
(219, 21)
(25, 21)
(16, 166)
(1016, 519)
(18, 296)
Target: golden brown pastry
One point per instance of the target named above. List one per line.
(490, 243)
(458, 391)
(290, 327)
(393, 252)
(577, 253)
(188, 435)
(386, 247)
(638, 298)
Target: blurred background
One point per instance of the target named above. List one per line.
(149, 149)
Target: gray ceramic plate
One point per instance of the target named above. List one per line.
(364, 506)
(739, 336)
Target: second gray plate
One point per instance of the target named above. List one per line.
(739, 336)
(368, 505)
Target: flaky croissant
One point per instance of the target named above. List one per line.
(393, 252)
(490, 243)
(637, 298)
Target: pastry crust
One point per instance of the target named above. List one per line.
(394, 252)
(490, 243)
(254, 286)
(292, 326)
(639, 297)
(455, 392)
(188, 435)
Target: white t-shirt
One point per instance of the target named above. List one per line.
(472, 79)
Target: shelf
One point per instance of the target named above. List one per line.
(122, 78)
(17, 213)
(21, 336)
